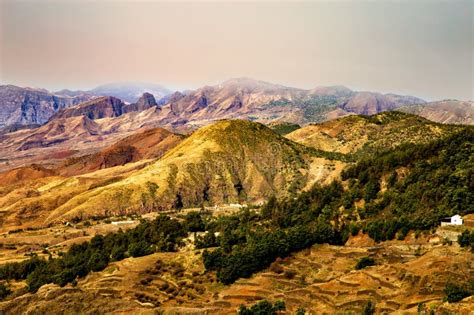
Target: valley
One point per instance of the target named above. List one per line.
(321, 279)
(234, 194)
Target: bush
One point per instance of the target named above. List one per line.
(4, 291)
(466, 239)
(164, 233)
(455, 292)
(364, 262)
(369, 309)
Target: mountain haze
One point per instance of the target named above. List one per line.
(446, 112)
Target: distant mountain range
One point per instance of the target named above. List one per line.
(26, 107)
(240, 98)
(446, 112)
(126, 91)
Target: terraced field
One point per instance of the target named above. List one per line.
(322, 279)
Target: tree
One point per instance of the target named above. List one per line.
(466, 239)
(139, 249)
(195, 222)
(98, 261)
(371, 189)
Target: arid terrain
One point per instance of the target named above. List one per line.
(290, 161)
(322, 279)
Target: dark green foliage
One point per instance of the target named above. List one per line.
(4, 291)
(20, 270)
(263, 308)
(364, 262)
(369, 309)
(457, 292)
(285, 128)
(300, 311)
(246, 247)
(207, 240)
(195, 221)
(355, 228)
(138, 249)
(439, 183)
(466, 239)
(371, 189)
(163, 233)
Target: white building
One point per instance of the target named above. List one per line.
(454, 220)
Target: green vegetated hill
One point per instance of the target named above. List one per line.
(362, 135)
(408, 188)
(227, 162)
(283, 128)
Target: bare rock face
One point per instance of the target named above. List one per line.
(146, 101)
(27, 106)
(102, 107)
(244, 98)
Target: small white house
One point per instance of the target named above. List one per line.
(454, 220)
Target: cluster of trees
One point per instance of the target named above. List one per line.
(438, 184)
(263, 307)
(162, 234)
(262, 247)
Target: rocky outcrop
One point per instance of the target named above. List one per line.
(244, 98)
(102, 107)
(146, 101)
(27, 106)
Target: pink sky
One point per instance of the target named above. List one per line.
(411, 47)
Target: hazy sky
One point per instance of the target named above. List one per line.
(423, 48)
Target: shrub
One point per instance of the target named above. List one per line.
(4, 291)
(466, 239)
(369, 309)
(457, 292)
(300, 311)
(364, 262)
(263, 308)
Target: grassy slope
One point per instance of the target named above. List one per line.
(360, 135)
(227, 162)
